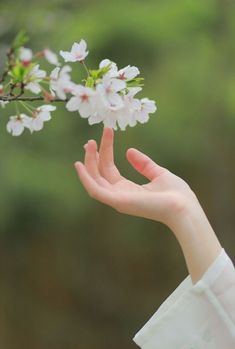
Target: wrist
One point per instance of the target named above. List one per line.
(197, 238)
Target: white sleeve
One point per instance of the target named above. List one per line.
(196, 316)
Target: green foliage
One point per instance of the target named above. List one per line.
(98, 74)
(135, 82)
(19, 72)
(20, 40)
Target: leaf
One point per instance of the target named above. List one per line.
(97, 74)
(20, 39)
(19, 72)
(137, 82)
(90, 82)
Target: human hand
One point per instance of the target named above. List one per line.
(164, 198)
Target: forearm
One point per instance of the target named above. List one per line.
(197, 239)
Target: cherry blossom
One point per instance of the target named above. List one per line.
(33, 78)
(50, 56)
(40, 115)
(17, 124)
(108, 90)
(147, 107)
(83, 101)
(60, 82)
(107, 95)
(78, 52)
(128, 73)
(126, 116)
(25, 55)
(113, 71)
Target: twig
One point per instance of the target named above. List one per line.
(30, 99)
(9, 64)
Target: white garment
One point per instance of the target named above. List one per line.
(196, 316)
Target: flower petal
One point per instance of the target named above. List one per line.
(73, 104)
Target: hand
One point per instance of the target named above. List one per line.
(164, 198)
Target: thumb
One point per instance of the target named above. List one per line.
(143, 164)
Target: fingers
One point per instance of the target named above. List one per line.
(106, 160)
(143, 164)
(95, 190)
(91, 163)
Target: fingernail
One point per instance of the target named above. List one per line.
(77, 164)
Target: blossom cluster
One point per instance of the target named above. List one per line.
(108, 94)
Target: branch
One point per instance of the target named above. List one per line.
(9, 65)
(30, 99)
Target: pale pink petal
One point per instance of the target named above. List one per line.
(85, 110)
(83, 45)
(33, 87)
(51, 57)
(36, 124)
(95, 119)
(148, 105)
(55, 73)
(128, 73)
(73, 104)
(44, 116)
(115, 100)
(47, 107)
(118, 85)
(68, 57)
(26, 54)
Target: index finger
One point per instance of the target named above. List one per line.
(106, 159)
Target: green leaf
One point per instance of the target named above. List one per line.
(20, 39)
(97, 74)
(19, 72)
(90, 82)
(137, 82)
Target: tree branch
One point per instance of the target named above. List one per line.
(30, 99)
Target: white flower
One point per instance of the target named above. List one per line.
(110, 118)
(82, 101)
(103, 113)
(33, 78)
(108, 90)
(78, 52)
(147, 107)
(25, 55)
(51, 57)
(128, 73)
(3, 103)
(40, 115)
(61, 81)
(131, 105)
(17, 124)
(113, 71)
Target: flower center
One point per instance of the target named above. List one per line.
(108, 89)
(26, 63)
(84, 98)
(122, 76)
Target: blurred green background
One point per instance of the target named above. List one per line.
(74, 273)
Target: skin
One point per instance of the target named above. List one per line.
(166, 198)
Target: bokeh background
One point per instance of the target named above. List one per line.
(74, 273)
